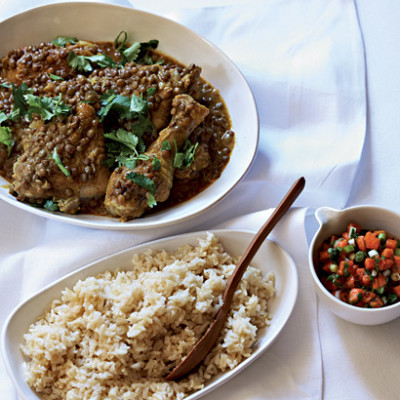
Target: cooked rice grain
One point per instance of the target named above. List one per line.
(117, 335)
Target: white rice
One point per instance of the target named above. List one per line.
(117, 335)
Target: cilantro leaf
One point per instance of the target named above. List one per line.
(138, 105)
(137, 51)
(6, 138)
(132, 52)
(3, 116)
(142, 181)
(55, 77)
(50, 205)
(123, 147)
(143, 56)
(84, 63)
(156, 164)
(165, 145)
(146, 183)
(56, 158)
(186, 156)
(124, 137)
(151, 201)
(45, 106)
(79, 62)
(20, 108)
(127, 108)
(62, 41)
(102, 60)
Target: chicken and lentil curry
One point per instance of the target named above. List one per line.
(109, 128)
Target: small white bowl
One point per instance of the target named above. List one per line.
(334, 222)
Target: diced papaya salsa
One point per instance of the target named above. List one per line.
(361, 267)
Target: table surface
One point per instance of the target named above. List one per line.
(376, 179)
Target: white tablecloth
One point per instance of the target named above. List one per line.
(325, 77)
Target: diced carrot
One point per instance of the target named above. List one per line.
(356, 295)
(391, 244)
(387, 252)
(370, 263)
(376, 233)
(363, 277)
(346, 235)
(369, 296)
(361, 243)
(351, 267)
(350, 282)
(346, 267)
(371, 241)
(397, 260)
(396, 289)
(385, 264)
(376, 302)
(342, 243)
(379, 282)
(324, 255)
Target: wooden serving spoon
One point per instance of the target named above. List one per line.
(207, 341)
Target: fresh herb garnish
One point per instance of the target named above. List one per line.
(6, 138)
(45, 106)
(3, 116)
(20, 108)
(55, 77)
(186, 156)
(62, 41)
(165, 145)
(126, 138)
(126, 107)
(146, 183)
(26, 103)
(138, 51)
(156, 164)
(150, 91)
(56, 158)
(84, 63)
(50, 205)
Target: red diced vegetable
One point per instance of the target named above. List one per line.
(371, 241)
(356, 295)
(391, 244)
(361, 243)
(379, 282)
(370, 263)
(387, 252)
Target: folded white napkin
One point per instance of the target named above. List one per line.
(304, 61)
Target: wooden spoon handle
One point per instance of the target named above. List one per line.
(259, 238)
